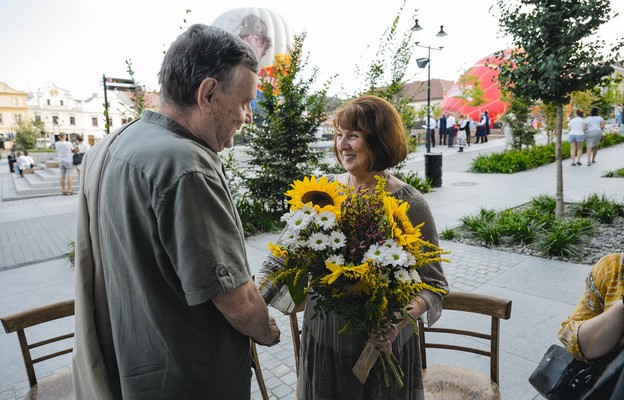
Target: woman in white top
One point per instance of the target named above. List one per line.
(81, 147)
(576, 128)
(594, 124)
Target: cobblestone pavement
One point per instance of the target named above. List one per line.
(34, 234)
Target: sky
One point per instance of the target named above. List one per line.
(72, 43)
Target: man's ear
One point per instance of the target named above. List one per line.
(206, 92)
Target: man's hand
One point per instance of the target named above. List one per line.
(245, 309)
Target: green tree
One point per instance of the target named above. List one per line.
(26, 135)
(555, 55)
(139, 101)
(287, 119)
(385, 75)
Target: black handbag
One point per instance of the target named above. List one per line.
(560, 376)
(78, 158)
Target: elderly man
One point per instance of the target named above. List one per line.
(165, 304)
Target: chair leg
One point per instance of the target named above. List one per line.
(296, 338)
(259, 377)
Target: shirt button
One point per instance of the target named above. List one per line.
(222, 271)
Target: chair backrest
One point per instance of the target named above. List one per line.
(26, 319)
(497, 308)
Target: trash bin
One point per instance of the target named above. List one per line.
(433, 168)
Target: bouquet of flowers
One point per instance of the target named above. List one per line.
(357, 254)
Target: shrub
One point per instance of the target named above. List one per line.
(543, 204)
(618, 173)
(599, 207)
(509, 162)
(255, 217)
(521, 227)
(563, 239)
(448, 234)
(421, 184)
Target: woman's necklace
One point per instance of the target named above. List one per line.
(386, 177)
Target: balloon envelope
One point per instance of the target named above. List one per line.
(265, 31)
(488, 79)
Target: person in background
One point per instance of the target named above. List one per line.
(487, 125)
(451, 128)
(442, 128)
(81, 148)
(368, 140)
(65, 153)
(165, 301)
(464, 126)
(507, 131)
(431, 123)
(21, 163)
(576, 137)
(596, 326)
(480, 135)
(594, 125)
(618, 115)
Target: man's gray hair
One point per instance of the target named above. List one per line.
(200, 52)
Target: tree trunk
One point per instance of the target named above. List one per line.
(559, 163)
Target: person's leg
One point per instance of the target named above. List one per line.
(579, 152)
(70, 187)
(595, 151)
(63, 173)
(573, 152)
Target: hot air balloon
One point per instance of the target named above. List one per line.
(265, 31)
(488, 79)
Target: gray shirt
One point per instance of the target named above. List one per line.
(171, 240)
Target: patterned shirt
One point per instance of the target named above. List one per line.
(604, 287)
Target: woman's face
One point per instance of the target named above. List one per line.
(353, 151)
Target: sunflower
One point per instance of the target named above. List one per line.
(320, 193)
(402, 229)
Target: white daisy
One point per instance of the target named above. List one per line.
(325, 219)
(336, 259)
(415, 276)
(402, 275)
(375, 253)
(318, 241)
(395, 256)
(290, 239)
(337, 240)
(299, 221)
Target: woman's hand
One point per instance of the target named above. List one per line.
(383, 341)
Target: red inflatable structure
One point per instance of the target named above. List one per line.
(488, 79)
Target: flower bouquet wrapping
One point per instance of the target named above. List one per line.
(358, 255)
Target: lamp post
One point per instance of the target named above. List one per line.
(422, 62)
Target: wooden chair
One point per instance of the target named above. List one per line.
(295, 332)
(58, 385)
(453, 382)
(256, 366)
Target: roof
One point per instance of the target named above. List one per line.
(417, 90)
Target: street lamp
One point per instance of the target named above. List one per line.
(422, 62)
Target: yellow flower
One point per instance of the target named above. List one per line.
(402, 229)
(277, 251)
(320, 193)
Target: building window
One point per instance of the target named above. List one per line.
(72, 120)
(62, 103)
(18, 118)
(0, 119)
(110, 122)
(124, 121)
(94, 121)
(55, 120)
(48, 101)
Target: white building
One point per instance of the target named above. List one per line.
(61, 113)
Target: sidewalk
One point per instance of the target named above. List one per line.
(543, 291)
